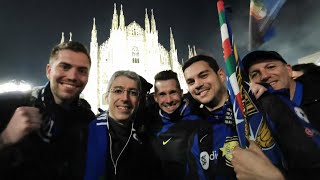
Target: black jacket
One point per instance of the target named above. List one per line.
(311, 97)
(61, 156)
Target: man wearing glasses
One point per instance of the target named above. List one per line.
(117, 148)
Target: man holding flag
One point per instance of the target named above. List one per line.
(217, 135)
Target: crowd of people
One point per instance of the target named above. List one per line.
(51, 133)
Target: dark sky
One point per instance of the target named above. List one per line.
(29, 29)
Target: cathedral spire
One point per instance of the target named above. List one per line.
(172, 44)
(190, 54)
(70, 36)
(153, 23)
(121, 26)
(115, 18)
(94, 31)
(147, 22)
(62, 38)
(194, 51)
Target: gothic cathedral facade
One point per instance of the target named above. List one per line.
(128, 48)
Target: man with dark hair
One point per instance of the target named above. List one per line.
(43, 132)
(173, 132)
(217, 136)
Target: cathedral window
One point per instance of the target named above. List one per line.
(135, 55)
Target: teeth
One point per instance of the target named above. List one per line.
(123, 107)
(68, 85)
(272, 83)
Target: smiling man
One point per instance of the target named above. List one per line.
(270, 68)
(173, 132)
(217, 136)
(117, 148)
(43, 132)
(290, 106)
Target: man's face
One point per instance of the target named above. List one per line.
(204, 84)
(68, 75)
(122, 100)
(167, 95)
(273, 72)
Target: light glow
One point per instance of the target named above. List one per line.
(14, 85)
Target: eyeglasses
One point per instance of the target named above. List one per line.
(119, 91)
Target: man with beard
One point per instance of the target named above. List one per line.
(43, 132)
(173, 132)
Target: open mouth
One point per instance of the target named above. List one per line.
(172, 107)
(273, 83)
(202, 92)
(124, 108)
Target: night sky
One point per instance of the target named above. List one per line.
(29, 29)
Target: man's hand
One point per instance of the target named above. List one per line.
(23, 121)
(257, 90)
(253, 164)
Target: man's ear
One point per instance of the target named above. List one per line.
(289, 68)
(48, 70)
(155, 97)
(221, 74)
(106, 97)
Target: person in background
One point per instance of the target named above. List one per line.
(43, 132)
(117, 149)
(310, 69)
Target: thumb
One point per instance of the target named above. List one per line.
(255, 147)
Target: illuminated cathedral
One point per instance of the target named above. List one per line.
(129, 48)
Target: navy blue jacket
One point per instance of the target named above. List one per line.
(133, 160)
(172, 139)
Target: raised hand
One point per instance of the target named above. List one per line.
(24, 120)
(253, 164)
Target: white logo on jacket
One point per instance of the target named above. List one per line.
(205, 158)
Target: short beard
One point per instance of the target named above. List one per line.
(217, 99)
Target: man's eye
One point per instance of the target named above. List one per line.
(253, 75)
(83, 71)
(118, 91)
(65, 66)
(133, 93)
(190, 83)
(271, 67)
(204, 76)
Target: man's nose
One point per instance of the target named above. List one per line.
(168, 99)
(265, 75)
(125, 95)
(198, 84)
(73, 74)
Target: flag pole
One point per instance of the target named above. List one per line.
(230, 62)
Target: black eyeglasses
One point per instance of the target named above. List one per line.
(119, 91)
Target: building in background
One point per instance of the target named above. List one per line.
(313, 58)
(129, 48)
